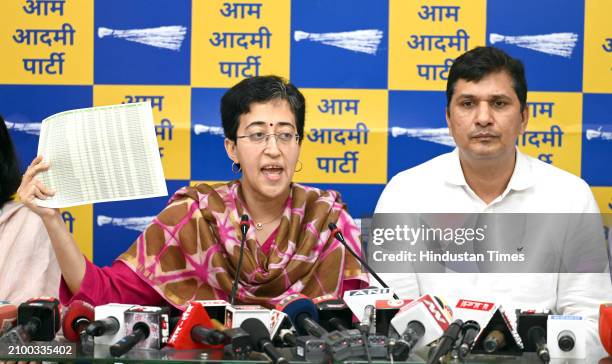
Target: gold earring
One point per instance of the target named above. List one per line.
(297, 170)
(236, 168)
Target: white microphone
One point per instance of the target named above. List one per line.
(235, 314)
(565, 337)
(357, 300)
(109, 324)
(428, 311)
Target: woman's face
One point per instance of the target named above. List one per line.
(267, 162)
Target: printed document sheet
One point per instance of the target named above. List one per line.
(106, 153)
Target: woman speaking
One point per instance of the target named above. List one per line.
(190, 251)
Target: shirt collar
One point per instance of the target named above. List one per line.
(522, 176)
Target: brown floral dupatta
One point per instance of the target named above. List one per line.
(190, 250)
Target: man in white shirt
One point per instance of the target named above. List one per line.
(486, 112)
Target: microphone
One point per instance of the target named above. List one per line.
(495, 340)
(109, 323)
(76, 318)
(385, 311)
(244, 227)
(366, 320)
(566, 337)
(278, 321)
(195, 330)
(413, 333)
(147, 327)
(340, 237)
(605, 326)
(532, 329)
(303, 314)
(38, 319)
(208, 336)
(234, 315)
(358, 299)
(427, 311)
(287, 337)
(470, 330)
(497, 334)
(259, 335)
(537, 336)
(331, 306)
(109, 326)
(140, 332)
(446, 341)
(566, 340)
(8, 317)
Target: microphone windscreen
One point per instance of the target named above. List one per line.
(257, 331)
(295, 305)
(77, 309)
(194, 315)
(8, 317)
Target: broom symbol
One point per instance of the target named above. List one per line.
(556, 44)
(364, 41)
(167, 37)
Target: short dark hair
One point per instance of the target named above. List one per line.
(10, 177)
(479, 62)
(238, 99)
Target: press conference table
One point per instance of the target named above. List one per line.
(167, 355)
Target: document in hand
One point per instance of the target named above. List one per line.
(106, 153)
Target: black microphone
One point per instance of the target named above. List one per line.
(566, 340)
(244, 227)
(470, 330)
(413, 333)
(106, 326)
(260, 339)
(338, 235)
(287, 337)
(537, 335)
(305, 322)
(208, 336)
(147, 327)
(446, 341)
(140, 332)
(303, 314)
(38, 319)
(532, 327)
(495, 340)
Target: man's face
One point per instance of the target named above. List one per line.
(485, 117)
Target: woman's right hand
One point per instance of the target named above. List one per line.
(32, 188)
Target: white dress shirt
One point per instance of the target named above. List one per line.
(439, 186)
